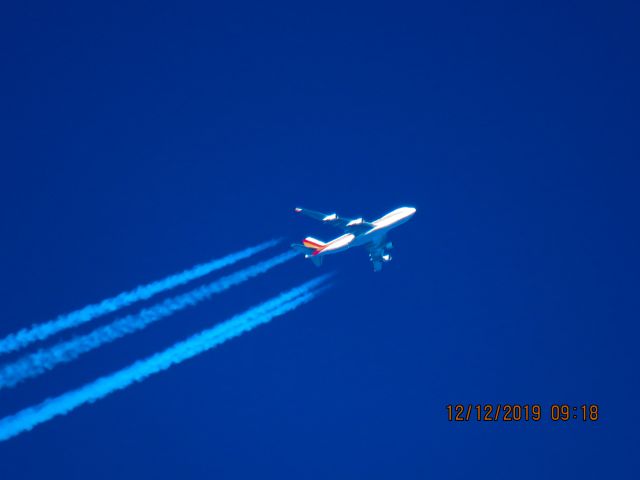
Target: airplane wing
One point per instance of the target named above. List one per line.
(379, 253)
(346, 224)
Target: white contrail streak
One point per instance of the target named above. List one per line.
(37, 363)
(32, 416)
(26, 336)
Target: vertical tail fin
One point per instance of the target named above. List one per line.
(313, 243)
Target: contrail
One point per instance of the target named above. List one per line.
(26, 336)
(30, 417)
(45, 359)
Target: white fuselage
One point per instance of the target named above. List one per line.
(373, 235)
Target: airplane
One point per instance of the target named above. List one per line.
(358, 232)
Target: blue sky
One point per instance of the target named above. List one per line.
(140, 139)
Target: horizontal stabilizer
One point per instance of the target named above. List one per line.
(300, 248)
(317, 260)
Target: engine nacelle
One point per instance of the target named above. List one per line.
(386, 258)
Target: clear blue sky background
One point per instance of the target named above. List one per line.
(141, 138)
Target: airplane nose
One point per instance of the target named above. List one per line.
(411, 210)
